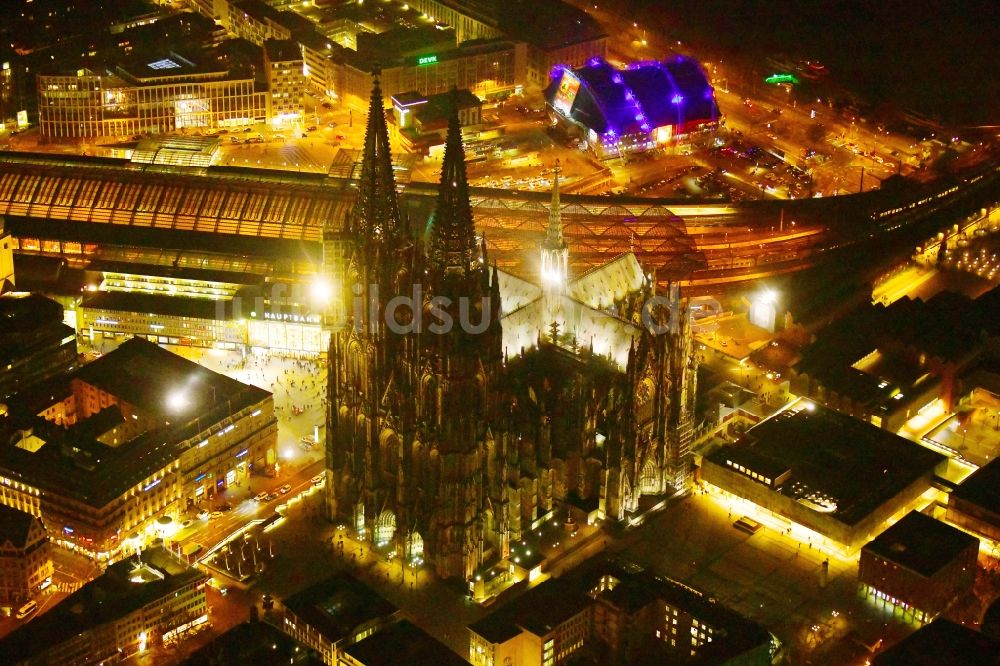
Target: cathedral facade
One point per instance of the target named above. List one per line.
(464, 404)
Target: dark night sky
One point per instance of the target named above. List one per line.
(936, 56)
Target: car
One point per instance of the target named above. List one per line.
(307, 439)
(261, 496)
(327, 105)
(223, 131)
(247, 129)
(215, 514)
(318, 479)
(234, 139)
(186, 523)
(331, 124)
(258, 139)
(341, 137)
(226, 506)
(271, 496)
(285, 489)
(311, 128)
(203, 515)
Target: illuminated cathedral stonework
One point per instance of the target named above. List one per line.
(449, 443)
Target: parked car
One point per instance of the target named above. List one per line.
(285, 489)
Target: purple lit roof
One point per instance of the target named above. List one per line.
(643, 96)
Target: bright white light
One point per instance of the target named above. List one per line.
(177, 401)
(551, 276)
(321, 290)
(767, 297)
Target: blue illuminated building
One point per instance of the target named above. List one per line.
(645, 105)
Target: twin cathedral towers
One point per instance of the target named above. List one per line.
(466, 404)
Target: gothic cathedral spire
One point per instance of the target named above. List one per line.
(554, 260)
(452, 244)
(376, 210)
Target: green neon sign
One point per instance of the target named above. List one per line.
(427, 60)
(776, 79)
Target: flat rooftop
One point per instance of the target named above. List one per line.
(537, 610)
(982, 487)
(121, 589)
(548, 25)
(252, 644)
(183, 397)
(921, 544)
(942, 643)
(337, 606)
(838, 464)
(403, 643)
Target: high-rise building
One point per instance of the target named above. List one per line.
(286, 80)
(441, 445)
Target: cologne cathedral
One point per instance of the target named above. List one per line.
(465, 404)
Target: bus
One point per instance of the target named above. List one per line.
(27, 609)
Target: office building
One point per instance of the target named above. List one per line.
(252, 643)
(25, 557)
(334, 614)
(156, 94)
(101, 453)
(150, 599)
(888, 363)
(975, 504)
(491, 69)
(35, 344)
(614, 613)
(399, 643)
(919, 566)
(285, 80)
(942, 643)
(554, 32)
(547, 625)
(826, 476)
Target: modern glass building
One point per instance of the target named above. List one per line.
(164, 95)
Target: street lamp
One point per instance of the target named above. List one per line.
(177, 400)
